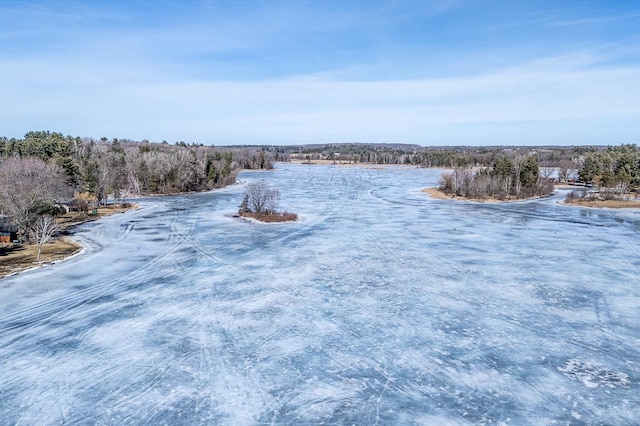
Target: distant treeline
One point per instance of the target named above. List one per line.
(598, 165)
(445, 157)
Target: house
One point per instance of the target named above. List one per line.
(8, 232)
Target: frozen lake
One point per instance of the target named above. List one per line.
(380, 306)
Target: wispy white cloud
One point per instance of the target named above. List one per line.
(306, 109)
(597, 20)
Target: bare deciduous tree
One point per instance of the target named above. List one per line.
(566, 169)
(261, 199)
(547, 172)
(41, 231)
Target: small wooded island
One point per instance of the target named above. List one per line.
(260, 202)
(507, 179)
(605, 178)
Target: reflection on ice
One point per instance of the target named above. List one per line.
(380, 305)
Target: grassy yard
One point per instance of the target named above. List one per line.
(16, 257)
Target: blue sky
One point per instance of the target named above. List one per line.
(440, 72)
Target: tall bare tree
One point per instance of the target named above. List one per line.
(262, 199)
(41, 230)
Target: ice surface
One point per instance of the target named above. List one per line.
(380, 306)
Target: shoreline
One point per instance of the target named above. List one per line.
(440, 195)
(281, 217)
(604, 204)
(18, 258)
(344, 163)
(437, 194)
(24, 257)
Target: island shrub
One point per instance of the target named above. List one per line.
(271, 218)
(260, 202)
